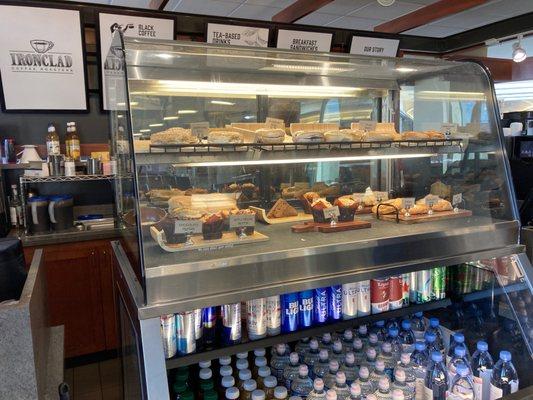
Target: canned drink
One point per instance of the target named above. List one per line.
(185, 337)
(209, 322)
(320, 307)
(423, 286)
(363, 298)
(231, 323)
(406, 280)
(289, 312)
(273, 315)
(379, 295)
(305, 303)
(335, 302)
(438, 283)
(349, 300)
(168, 334)
(198, 324)
(412, 287)
(395, 292)
(460, 279)
(256, 318)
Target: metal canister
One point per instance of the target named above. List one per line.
(406, 284)
(9, 150)
(320, 306)
(198, 324)
(395, 292)
(168, 335)
(335, 302)
(412, 287)
(438, 283)
(185, 332)
(349, 300)
(379, 295)
(256, 318)
(231, 323)
(423, 286)
(273, 315)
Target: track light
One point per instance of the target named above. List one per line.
(386, 3)
(519, 54)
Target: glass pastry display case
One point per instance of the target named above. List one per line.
(260, 173)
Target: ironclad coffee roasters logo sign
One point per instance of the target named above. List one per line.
(41, 59)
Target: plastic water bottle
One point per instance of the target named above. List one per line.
(340, 387)
(457, 340)
(302, 347)
(397, 395)
(355, 391)
(258, 394)
(364, 381)
(362, 333)
(392, 323)
(434, 327)
(459, 358)
(407, 367)
(331, 395)
(311, 357)
(388, 358)
(431, 342)
(326, 342)
(302, 385)
(407, 337)
(394, 339)
(247, 389)
(383, 391)
(373, 342)
(318, 392)
(269, 386)
(418, 325)
(358, 351)
(330, 376)
(436, 382)
(278, 361)
(322, 366)
(504, 379)
(244, 375)
(462, 387)
(290, 372)
(336, 352)
(370, 360)
(349, 368)
(401, 384)
(482, 365)
(280, 393)
(347, 341)
(419, 358)
(378, 373)
(380, 330)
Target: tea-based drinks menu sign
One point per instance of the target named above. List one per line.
(304, 41)
(237, 35)
(41, 59)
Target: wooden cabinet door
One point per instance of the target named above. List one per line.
(108, 298)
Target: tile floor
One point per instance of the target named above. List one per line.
(97, 381)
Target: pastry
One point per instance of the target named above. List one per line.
(442, 205)
(173, 136)
(267, 135)
(388, 206)
(232, 188)
(343, 135)
(192, 191)
(369, 199)
(417, 209)
(221, 137)
(212, 226)
(318, 186)
(383, 131)
(331, 190)
(282, 209)
(435, 134)
(414, 135)
(347, 207)
(163, 194)
(307, 199)
(317, 209)
(423, 200)
(308, 136)
(294, 192)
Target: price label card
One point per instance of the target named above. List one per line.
(331, 212)
(431, 200)
(381, 196)
(200, 129)
(368, 126)
(457, 199)
(448, 129)
(188, 226)
(408, 202)
(241, 220)
(275, 123)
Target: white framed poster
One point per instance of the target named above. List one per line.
(237, 35)
(111, 63)
(304, 41)
(42, 64)
(373, 46)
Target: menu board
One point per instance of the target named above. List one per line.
(373, 46)
(41, 59)
(237, 35)
(304, 41)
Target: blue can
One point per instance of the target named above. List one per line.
(231, 323)
(335, 302)
(320, 305)
(289, 312)
(209, 319)
(306, 309)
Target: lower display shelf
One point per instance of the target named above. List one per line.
(289, 337)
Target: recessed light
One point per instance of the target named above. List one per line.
(171, 118)
(187, 112)
(386, 3)
(145, 130)
(222, 103)
(406, 69)
(154, 125)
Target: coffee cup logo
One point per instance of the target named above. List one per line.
(41, 46)
(39, 59)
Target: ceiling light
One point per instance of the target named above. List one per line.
(386, 3)
(406, 69)
(165, 56)
(222, 103)
(171, 118)
(145, 130)
(519, 54)
(187, 112)
(154, 125)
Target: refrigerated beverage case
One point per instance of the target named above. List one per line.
(418, 326)
(406, 281)
(349, 300)
(407, 337)
(461, 386)
(457, 340)
(311, 357)
(185, 337)
(330, 375)
(364, 381)
(341, 388)
(423, 286)
(231, 323)
(305, 304)
(363, 298)
(349, 368)
(256, 318)
(320, 306)
(290, 372)
(482, 365)
(318, 392)
(383, 389)
(273, 304)
(379, 295)
(438, 283)
(504, 379)
(322, 365)
(209, 320)
(335, 302)
(279, 360)
(168, 334)
(289, 311)
(436, 382)
(395, 292)
(302, 385)
(198, 327)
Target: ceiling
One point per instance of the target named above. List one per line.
(347, 14)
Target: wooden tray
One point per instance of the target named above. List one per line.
(228, 239)
(328, 228)
(437, 215)
(261, 215)
(364, 210)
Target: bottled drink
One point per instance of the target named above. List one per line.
(15, 209)
(291, 369)
(373, 342)
(302, 385)
(383, 389)
(407, 337)
(263, 373)
(269, 385)
(318, 392)
(419, 358)
(349, 300)
(72, 141)
(244, 375)
(340, 387)
(349, 368)
(482, 365)
(370, 360)
(397, 395)
(362, 333)
(259, 362)
(281, 393)
(364, 381)
(256, 318)
(459, 358)
(226, 383)
(205, 381)
(289, 312)
(311, 358)
(378, 373)
(209, 322)
(336, 352)
(457, 340)
(305, 303)
(247, 389)
(226, 370)
(279, 360)
(347, 340)
(302, 347)
(431, 342)
(504, 379)
(52, 141)
(387, 358)
(392, 323)
(423, 286)
(407, 367)
(396, 344)
(438, 283)
(418, 325)
(462, 387)
(273, 306)
(331, 395)
(330, 375)
(322, 366)
(326, 342)
(380, 330)
(241, 363)
(225, 360)
(434, 327)
(401, 384)
(258, 394)
(436, 382)
(355, 391)
(232, 393)
(358, 352)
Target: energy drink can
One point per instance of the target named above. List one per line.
(185, 332)
(273, 315)
(379, 295)
(349, 300)
(231, 323)
(198, 324)
(363, 298)
(335, 302)
(438, 283)
(305, 300)
(256, 318)
(289, 312)
(412, 287)
(209, 321)
(395, 292)
(406, 278)
(168, 334)
(320, 308)
(423, 286)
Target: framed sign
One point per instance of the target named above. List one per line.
(237, 35)
(111, 62)
(42, 64)
(373, 46)
(304, 41)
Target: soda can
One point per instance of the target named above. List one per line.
(438, 283)
(423, 286)
(256, 318)
(478, 281)
(168, 334)
(406, 280)
(335, 302)
(349, 300)
(363, 298)
(305, 303)
(379, 295)
(198, 324)
(289, 312)
(412, 287)
(209, 322)
(231, 323)
(395, 292)
(185, 336)
(273, 315)
(320, 307)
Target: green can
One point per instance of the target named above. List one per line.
(438, 284)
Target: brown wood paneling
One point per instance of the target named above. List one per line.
(108, 298)
(298, 10)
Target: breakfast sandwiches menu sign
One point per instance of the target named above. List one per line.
(304, 41)
(41, 59)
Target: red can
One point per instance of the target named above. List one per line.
(379, 295)
(395, 292)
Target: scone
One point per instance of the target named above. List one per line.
(317, 209)
(268, 135)
(435, 134)
(308, 136)
(442, 205)
(414, 135)
(222, 137)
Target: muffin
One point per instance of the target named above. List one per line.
(212, 226)
(307, 199)
(347, 207)
(317, 209)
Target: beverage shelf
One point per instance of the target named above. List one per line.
(290, 337)
(483, 294)
(76, 178)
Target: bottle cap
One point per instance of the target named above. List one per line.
(459, 351)
(206, 373)
(226, 370)
(386, 347)
(228, 381)
(406, 324)
(242, 355)
(326, 338)
(384, 383)
(430, 337)
(333, 365)
(313, 344)
(260, 361)
(207, 385)
(349, 359)
(380, 365)
(226, 360)
(179, 387)
(232, 393)
(405, 358)
(355, 389)
(337, 346)
(280, 348)
(371, 396)
(419, 314)
(270, 381)
(357, 344)
(373, 338)
(204, 364)
(371, 352)
(210, 395)
(459, 338)
(436, 356)
(263, 371)
(340, 378)
(397, 394)
(505, 355)
(380, 323)
(323, 355)
(245, 374)
(249, 385)
(348, 335)
(51, 128)
(399, 374)
(331, 395)
(393, 332)
(482, 346)
(363, 330)
(363, 372)
(462, 370)
(318, 384)
(242, 363)
(303, 370)
(420, 346)
(260, 352)
(280, 392)
(434, 322)
(258, 394)
(294, 358)
(182, 374)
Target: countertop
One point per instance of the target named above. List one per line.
(70, 236)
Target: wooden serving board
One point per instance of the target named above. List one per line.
(364, 210)
(328, 228)
(437, 215)
(228, 239)
(261, 215)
